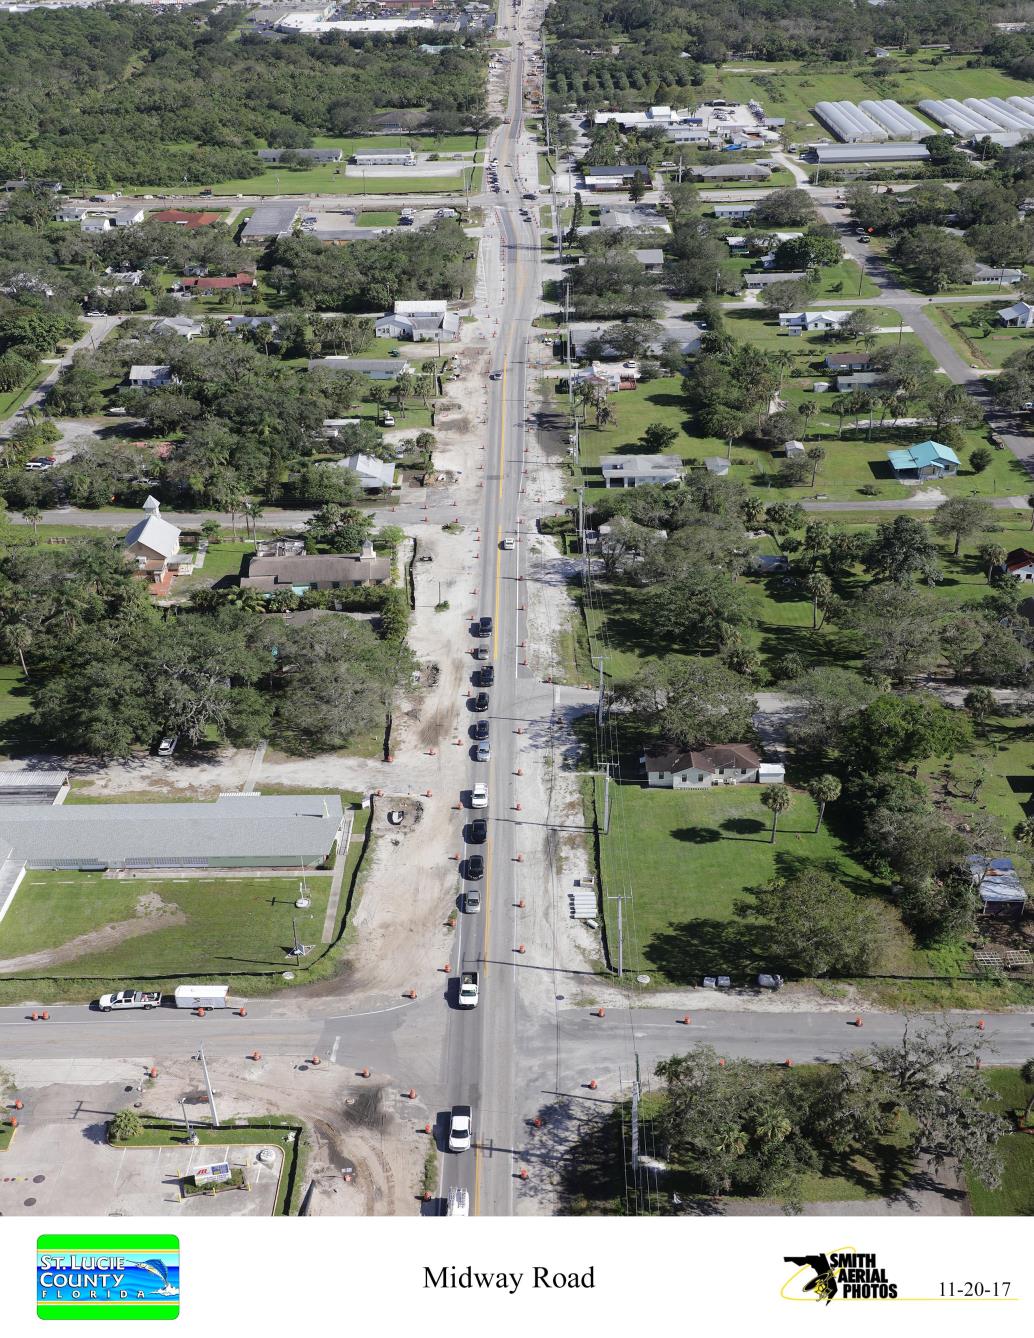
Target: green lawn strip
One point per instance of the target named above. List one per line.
(285, 1130)
(7, 1133)
(378, 218)
(53, 906)
(1015, 1196)
(14, 700)
(224, 561)
(977, 334)
(12, 400)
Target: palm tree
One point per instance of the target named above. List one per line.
(824, 790)
(772, 1127)
(841, 406)
(1030, 503)
(17, 637)
(993, 555)
(1024, 832)
(807, 411)
(820, 588)
(33, 515)
(731, 1141)
(604, 413)
(777, 799)
(816, 454)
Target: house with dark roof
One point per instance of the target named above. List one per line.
(316, 571)
(185, 218)
(848, 362)
(216, 283)
(615, 178)
(1020, 563)
(672, 768)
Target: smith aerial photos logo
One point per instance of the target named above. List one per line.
(842, 1275)
(107, 1277)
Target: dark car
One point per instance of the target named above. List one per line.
(475, 867)
(477, 832)
(487, 676)
(485, 625)
(481, 702)
(481, 730)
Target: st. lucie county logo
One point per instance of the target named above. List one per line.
(107, 1277)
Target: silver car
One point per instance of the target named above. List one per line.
(484, 753)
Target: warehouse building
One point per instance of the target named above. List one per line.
(976, 117)
(873, 121)
(236, 831)
(269, 221)
(870, 153)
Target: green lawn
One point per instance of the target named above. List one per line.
(12, 400)
(224, 561)
(1015, 1197)
(234, 927)
(687, 856)
(378, 218)
(977, 335)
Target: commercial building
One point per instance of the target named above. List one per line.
(384, 158)
(419, 321)
(615, 178)
(234, 831)
(732, 172)
(871, 153)
(269, 221)
(308, 155)
(316, 571)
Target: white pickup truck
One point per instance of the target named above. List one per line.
(469, 989)
(129, 999)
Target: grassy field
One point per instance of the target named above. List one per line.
(977, 334)
(378, 218)
(1015, 1197)
(232, 924)
(223, 563)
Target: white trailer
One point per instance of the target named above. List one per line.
(201, 996)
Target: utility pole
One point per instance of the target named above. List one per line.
(192, 1137)
(599, 704)
(208, 1086)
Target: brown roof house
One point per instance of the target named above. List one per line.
(316, 571)
(673, 768)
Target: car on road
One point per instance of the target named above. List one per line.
(865, 240)
(95, 315)
(477, 832)
(460, 1122)
(481, 701)
(509, 542)
(494, 376)
(475, 868)
(484, 752)
(37, 466)
(487, 676)
(116, 411)
(167, 746)
(479, 795)
(458, 1202)
(481, 730)
(481, 652)
(145, 999)
(485, 625)
(530, 195)
(472, 901)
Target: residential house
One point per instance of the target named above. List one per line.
(615, 178)
(631, 217)
(128, 217)
(316, 571)
(651, 258)
(149, 376)
(848, 362)
(308, 155)
(153, 546)
(608, 376)
(419, 321)
(183, 326)
(1000, 274)
(377, 369)
(672, 768)
(769, 564)
(185, 218)
(70, 213)
(1020, 563)
(204, 283)
(631, 471)
(731, 172)
(1020, 315)
(810, 321)
(91, 223)
(927, 460)
(717, 465)
(384, 158)
(371, 473)
(859, 380)
(764, 278)
(238, 324)
(733, 210)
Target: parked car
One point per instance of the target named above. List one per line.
(494, 376)
(509, 542)
(484, 752)
(460, 1122)
(167, 746)
(487, 676)
(481, 652)
(481, 730)
(477, 832)
(475, 867)
(479, 795)
(485, 625)
(472, 901)
(481, 701)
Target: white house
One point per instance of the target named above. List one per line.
(631, 471)
(183, 326)
(148, 376)
(672, 768)
(1020, 563)
(377, 369)
(371, 473)
(1020, 314)
(95, 223)
(419, 321)
(153, 546)
(733, 210)
(812, 320)
(129, 217)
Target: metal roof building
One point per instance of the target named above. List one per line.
(870, 153)
(236, 831)
(271, 220)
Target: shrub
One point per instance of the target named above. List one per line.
(124, 1125)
